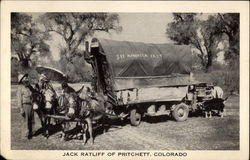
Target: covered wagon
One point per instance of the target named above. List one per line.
(144, 79)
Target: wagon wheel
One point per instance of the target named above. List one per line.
(135, 117)
(180, 112)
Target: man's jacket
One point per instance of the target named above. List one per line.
(23, 96)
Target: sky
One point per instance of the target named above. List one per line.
(142, 27)
(137, 27)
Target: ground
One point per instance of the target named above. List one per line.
(162, 133)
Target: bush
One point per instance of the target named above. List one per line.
(14, 70)
(77, 70)
(224, 76)
(17, 68)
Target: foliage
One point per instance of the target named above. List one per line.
(211, 38)
(186, 29)
(225, 77)
(205, 35)
(229, 25)
(74, 28)
(78, 70)
(183, 29)
(27, 39)
(18, 68)
(14, 69)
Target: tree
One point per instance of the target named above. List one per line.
(77, 71)
(14, 69)
(187, 29)
(205, 35)
(27, 39)
(211, 38)
(74, 28)
(183, 28)
(229, 25)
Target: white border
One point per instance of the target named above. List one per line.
(122, 6)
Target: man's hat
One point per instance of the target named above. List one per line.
(22, 77)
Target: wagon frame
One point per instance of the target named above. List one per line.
(128, 95)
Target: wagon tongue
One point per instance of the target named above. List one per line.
(52, 73)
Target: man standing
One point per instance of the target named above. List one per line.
(24, 103)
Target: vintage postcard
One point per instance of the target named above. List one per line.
(124, 80)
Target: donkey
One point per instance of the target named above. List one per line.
(44, 105)
(47, 106)
(69, 107)
(92, 111)
(217, 104)
(86, 108)
(38, 103)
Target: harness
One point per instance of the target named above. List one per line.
(68, 105)
(85, 108)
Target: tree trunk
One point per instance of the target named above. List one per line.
(25, 63)
(209, 61)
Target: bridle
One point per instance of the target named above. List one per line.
(37, 100)
(72, 101)
(34, 94)
(49, 98)
(68, 103)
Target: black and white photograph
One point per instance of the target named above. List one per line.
(151, 81)
(125, 81)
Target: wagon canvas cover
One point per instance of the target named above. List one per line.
(139, 65)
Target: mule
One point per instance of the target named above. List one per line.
(216, 104)
(69, 108)
(48, 107)
(87, 111)
(38, 104)
(92, 111)
(43, 105)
